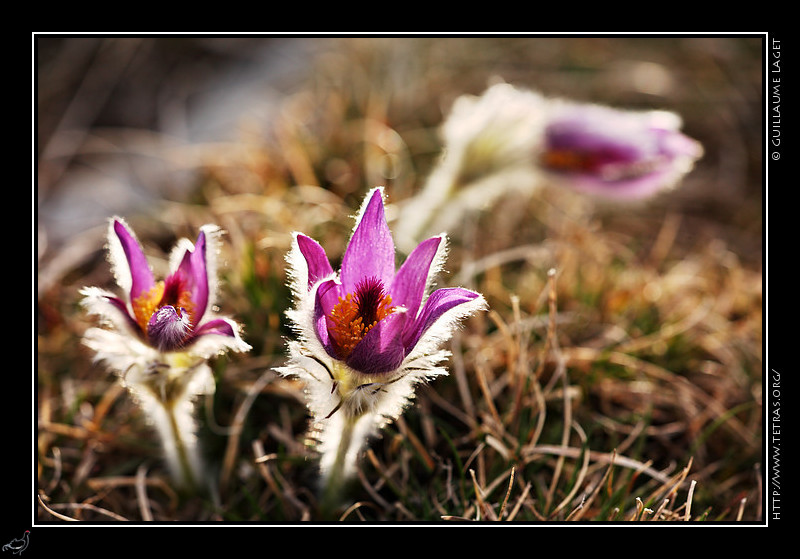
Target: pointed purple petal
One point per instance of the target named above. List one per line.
(194, 273)
(599, 133)
(218, 326)
(318, 264)
(440, 301)
(370, 252)
(325, 299)
(141, 275)
(382, 349)
(632, 188)
(409, 284)
(327, 296)
(122, 307)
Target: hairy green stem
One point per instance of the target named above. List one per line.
(184, 464)
(336, 478)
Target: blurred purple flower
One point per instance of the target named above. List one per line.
(169, 315)
(510, 139)
(616, 153)
(162, 334)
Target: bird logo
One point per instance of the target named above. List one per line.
(18, 545)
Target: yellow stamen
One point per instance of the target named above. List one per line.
(153, 299)
(346, 321)
(566, 160)
(146, 304)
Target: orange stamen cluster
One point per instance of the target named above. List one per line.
(356, 314)
(566, 160)
(146, 304)
(153, 299)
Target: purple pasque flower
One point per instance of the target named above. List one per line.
(162, 334)
(173, 314)
(513, 140)
(615, 153)
(370, 324)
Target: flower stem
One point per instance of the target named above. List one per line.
(168, 398)
(337, 476)
(172, 418)
(184, 466)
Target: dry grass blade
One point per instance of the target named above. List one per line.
(576, 511)
(79, 506)
(480, 373)
(520, 501)
(670, 486)
(541, 406)
(460, 374)
(141, 493)
(56, 469)
(561, 373)
(587, 501)
(416, 443)
(232, 448)
(372, 491)
(354, 509)
(483, 509)
(508, 494)
(740, 512)
(660, 510)
(101, 410)
(599, 457)
(637, 513)
(580, 477)
(54, 513)
(688, 512)
(512, 344)
(288, 499)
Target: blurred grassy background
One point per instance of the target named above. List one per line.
(647, 343)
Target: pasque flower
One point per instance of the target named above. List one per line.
(367, 334)
(160, 334)
(615, 153)
(516, 139)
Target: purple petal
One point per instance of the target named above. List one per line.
(598, 139)
(677, 144)
(318, 264)
(327, 296)
(370, 252)
(439, 302)
(631, 188)
(382, 348)
(194, 273)
(409, 284)
(120, 305)
(618, 153)
(141, 275)
(218, 326)
(325, 299)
